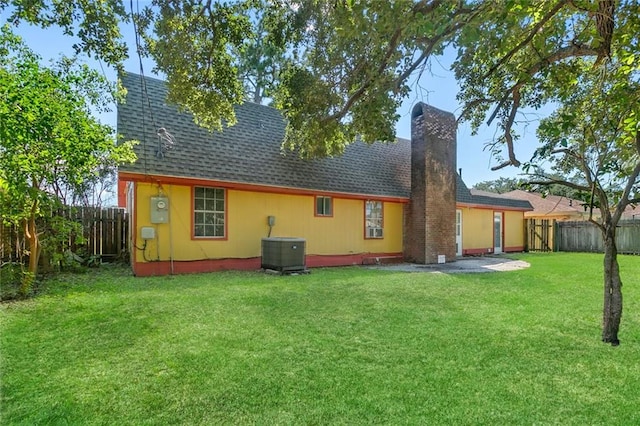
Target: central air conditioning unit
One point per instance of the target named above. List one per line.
(283, 254)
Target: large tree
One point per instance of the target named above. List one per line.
(48, 137)
(581, 57)
(600, 139)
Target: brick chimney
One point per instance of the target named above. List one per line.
(431, 214)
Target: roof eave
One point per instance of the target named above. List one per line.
(243, 186)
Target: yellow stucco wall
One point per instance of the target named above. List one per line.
(513, 229)
(247, 213)
(477, 228)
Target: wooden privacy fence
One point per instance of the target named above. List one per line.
(539, 234)
(104, 234)
(586, 237)
(582, 236)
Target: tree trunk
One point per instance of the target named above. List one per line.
(35, 249)
(257, 95)
(612, 312)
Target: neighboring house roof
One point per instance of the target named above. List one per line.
(250, 151)
(555, 205)
(551, 205)
(631, 212)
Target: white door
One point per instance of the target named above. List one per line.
(497, 232)
(458, 232)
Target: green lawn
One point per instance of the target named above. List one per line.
(341, 345)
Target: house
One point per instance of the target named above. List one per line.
(552, 207)
(562, 208)
(202, 201)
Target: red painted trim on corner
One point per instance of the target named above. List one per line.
(144, 269)
(318, 260)
(514, 249)
(134, 231)
(489, 250)
(251, 187)
(477, 251)
(122, 193)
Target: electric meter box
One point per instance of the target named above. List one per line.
(159, 210)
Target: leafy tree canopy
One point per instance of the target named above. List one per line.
(499, 186)
(346, 68)
(535, 53)
(94, 24)
(344, 65)
(49, 140)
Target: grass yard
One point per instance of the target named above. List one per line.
(338, 346)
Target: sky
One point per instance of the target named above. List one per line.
(436, 87)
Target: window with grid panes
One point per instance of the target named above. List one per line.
(208, 212)
(373, 219)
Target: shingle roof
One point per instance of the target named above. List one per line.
(249, 152)
(473, 196)
(551, 204)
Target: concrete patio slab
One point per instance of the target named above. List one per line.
(460, 265)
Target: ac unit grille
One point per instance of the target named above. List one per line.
(283, 254)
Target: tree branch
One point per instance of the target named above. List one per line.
(604, 25)
(566, 183)
(527, 39)
(507, 133)
(424, 8)
(631, 181)
(566, 52)
(563, 53)
(402, 77)
(393, 44)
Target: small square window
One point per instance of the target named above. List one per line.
(324, 206)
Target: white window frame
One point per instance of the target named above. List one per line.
(209, 212)
(327, 204)
(373, 219)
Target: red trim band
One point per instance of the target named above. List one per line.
(514, 249)
(489, 250)
(164, 267)
(477, 251)
(249, 187)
